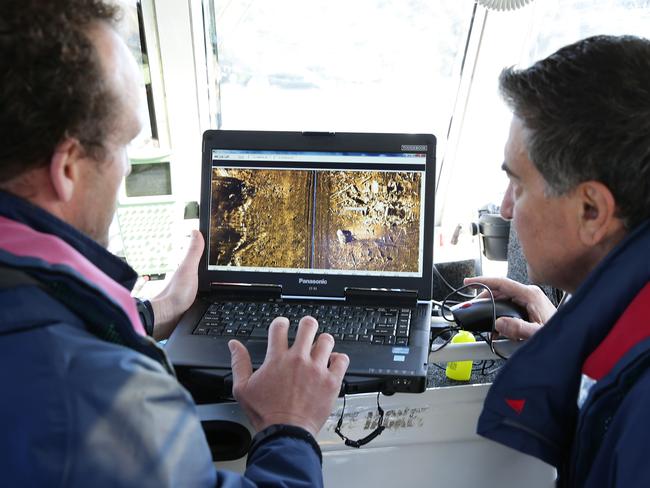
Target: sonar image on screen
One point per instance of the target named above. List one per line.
(260, 218)
(305, 219)
(367, 220)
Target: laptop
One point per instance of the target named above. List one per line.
(338, 226)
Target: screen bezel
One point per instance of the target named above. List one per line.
(326, 142)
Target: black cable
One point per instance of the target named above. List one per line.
(440, 332)
(565, 297)
(486, 365)
(454, 290)
(361, 442)
(481, 368)
(493, 332)
(444, 368)
(490, 342)
(439, 305)
(452, 302)
(493, 370)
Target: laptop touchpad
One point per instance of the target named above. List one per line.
(257, 350)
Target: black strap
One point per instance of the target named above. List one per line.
(283, 430)
(12, 277)
(145, 311)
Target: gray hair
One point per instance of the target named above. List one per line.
(587, 111)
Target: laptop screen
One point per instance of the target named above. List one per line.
(317, 212)
(317, 217)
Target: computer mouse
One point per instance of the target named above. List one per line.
(476, 315)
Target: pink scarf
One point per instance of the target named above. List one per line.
(22, 240)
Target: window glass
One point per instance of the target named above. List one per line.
(561, 22)
(520, 38)
(337, 65)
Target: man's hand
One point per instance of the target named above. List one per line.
(296, 385)
(180, 292)
(539, 307)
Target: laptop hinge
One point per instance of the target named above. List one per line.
(247, 290)
(381, 295)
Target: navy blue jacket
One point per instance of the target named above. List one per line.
(86, 401)
(577, 394)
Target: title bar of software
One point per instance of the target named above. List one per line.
(221, 155)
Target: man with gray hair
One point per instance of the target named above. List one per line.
(88, 398)
(577, 394)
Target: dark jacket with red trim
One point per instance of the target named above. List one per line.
(86, 401)
(596, 348)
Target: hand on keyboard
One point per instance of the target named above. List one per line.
(295, 385)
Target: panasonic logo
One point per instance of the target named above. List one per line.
(305, 281)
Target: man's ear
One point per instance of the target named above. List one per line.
(65, 168)
(598, 219)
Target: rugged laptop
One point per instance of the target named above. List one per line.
(336, 226)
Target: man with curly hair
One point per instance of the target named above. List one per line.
(88, 398)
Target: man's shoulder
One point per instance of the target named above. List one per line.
(56, 350)
(621, 459)
(26, 307)
(84, 400)
(637, 400)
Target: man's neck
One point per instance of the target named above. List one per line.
(591, 259)
(35, 187)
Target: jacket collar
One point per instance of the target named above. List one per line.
(542, 378)
(111, 320)
(20, 210)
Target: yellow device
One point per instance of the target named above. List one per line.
(460, 370)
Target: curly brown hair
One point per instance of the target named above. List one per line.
(52, 84)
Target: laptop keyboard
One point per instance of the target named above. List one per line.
(244, 320)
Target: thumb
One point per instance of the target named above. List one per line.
(194, 250)
(516, 328)
(240, 361)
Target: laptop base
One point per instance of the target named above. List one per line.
(210, 385)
